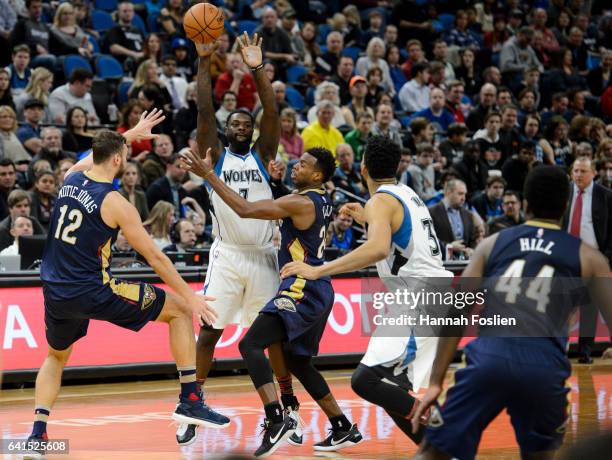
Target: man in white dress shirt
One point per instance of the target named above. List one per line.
(414, 95)
(177, 86)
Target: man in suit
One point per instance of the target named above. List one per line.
(168, 188)
(453, 223)
(589, 217)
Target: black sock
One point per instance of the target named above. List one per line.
(340, 422)
(274, 412)
(290, 401)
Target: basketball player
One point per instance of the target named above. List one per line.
(297, 314)
(78, 285)
(403, 244)
(524, 372)
(242, 272)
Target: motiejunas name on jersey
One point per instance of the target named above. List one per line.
(82, 196)
(432, 320)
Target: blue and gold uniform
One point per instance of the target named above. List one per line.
(532, 275)
(304, 305)
(77, 282)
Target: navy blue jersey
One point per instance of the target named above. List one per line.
(77, 253)
(533, 274)
(307, 245)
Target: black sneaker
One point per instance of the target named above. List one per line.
(35, 453)
(339, 439)
(274, 435)
(186, 434)
(193, 411)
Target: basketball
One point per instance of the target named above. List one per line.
(203, 23)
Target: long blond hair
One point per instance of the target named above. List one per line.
(5, 109)
(39, 75)
(60, 10)
(141, 79)
(158, 219)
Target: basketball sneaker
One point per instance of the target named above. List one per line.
(186, 434)
(35, 453)
(297, 437)
(194, 411)
(275, 434)
(339, 439)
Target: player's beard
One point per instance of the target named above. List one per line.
(239, 146)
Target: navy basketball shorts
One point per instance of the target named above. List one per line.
(535, 396)
(304, 307)
(125, 304)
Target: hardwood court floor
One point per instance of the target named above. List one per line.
(132, 420)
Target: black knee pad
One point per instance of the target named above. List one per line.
(309, 376)
(363, 381)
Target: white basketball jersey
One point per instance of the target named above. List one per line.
(415, 250)
(247, 176)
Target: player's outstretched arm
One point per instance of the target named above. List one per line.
(116, 211)
(269, 137)
(378, 213)
(447, 346)
(207, 123)
(298, 207)
(142, 131)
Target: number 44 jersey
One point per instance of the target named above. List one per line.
(415, 250)
(77, 253)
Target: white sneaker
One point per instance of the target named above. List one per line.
(296, 438)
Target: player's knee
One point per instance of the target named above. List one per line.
(208, 337)
(246, 346)
(361, 381)
(61, 356)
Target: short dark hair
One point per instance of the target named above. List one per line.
(230, 93)
(169, 57)
(456, 129)
(512, 193)
(547, 191)
(80, 75)
(326, 163)
(106, 143)
(493, 179)
(241, 110)
(4, 162)
(381, 156)
(419, 67)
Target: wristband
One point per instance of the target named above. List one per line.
(255, 69)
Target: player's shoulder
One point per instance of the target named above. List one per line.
(592, 262)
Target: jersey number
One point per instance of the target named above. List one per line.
(537, 290)
(75, 218)
(244, 193)
(434, 247)
(322, 247)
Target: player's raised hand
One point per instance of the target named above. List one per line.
(206, 49)
(277, 169)
(299, 269)
(147, 121)
(204, 312)
(250, 49)
(200, 166)
(355, 210)
(430, 398)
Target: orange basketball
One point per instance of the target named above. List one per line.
(203, 23)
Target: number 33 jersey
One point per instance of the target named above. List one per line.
(247, 176)
(77, 253)
(415, 250)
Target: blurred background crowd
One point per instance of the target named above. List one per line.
(476, 94)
